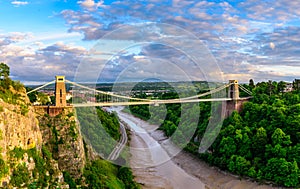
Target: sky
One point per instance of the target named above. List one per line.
(139, 39)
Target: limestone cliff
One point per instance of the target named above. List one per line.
(18, 129)
(61, 135)
(37, 149)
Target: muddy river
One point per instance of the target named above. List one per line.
(154, 168)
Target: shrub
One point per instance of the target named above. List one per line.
(20, 176)
(68, 179)
(3, 168)
(17, 85)
(17, 153)
(24, 109)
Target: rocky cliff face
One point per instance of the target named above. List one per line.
(17, 129)
(37, 149)
(61, 135)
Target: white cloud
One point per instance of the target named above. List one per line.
(19, 3)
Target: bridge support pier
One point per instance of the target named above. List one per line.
(234, 105)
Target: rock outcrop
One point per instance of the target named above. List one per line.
(61, 135)
(18, 130)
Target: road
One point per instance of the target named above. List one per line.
(119, 147)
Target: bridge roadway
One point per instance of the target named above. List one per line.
(151, 102)
(121, 144)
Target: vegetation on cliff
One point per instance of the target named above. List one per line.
(261, 142)
(99, 128)
(12, 92)
(36, 169)
(103, 174)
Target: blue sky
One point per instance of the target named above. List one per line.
(247, 39)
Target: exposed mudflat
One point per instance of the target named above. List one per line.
(156, 168)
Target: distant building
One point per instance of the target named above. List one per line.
(91, 99)
(288, 87)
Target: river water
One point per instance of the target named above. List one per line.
(154, 168)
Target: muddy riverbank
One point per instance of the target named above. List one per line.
(212, 177)
(154, 168)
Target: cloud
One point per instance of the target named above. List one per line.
(36, 61)
(13, 37)
(273, 11)
(19, 3)
(91, 4)
(243, 37)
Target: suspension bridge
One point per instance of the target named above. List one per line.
(113, 99)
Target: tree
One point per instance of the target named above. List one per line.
(238, 165)
(4, 71)
(296, 84)
(32, 96)
(282, 172)
(68, 179)
(259, 141)
(270, 87)
(281, 86)
(251, 84)
(125, 175)
(43, 99)
(227, 146)
(5, 81)
(279, 137)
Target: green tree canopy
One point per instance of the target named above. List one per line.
(4, 71)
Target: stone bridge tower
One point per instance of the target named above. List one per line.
(60, 91)
(233, 91)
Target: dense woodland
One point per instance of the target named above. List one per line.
(261, 142)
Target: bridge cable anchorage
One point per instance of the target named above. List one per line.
(245, 90)
(38, 88)
(108, 93)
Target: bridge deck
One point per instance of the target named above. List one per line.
(152, 102)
